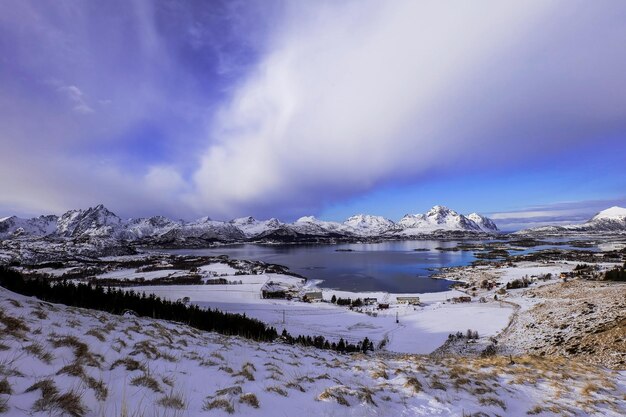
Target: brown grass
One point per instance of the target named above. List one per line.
(5, 387)
(69, 403)
(492, 401)
(146, 381)
(97, 334)
(38, 351)
(218, 403)
(81, 350)
(234, 390)
(414, 384)
(130, 364)
(334, 394)
(278, 390)
(13, 326)
(250, 399)
(172, 400)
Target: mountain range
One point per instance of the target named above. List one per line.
(99, 223)
(611, 220)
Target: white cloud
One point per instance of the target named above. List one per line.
(77, 98)
(354, 94)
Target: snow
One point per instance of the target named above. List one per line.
(100, 223)
(201, 367)
(131, 274)
(614, 212)
(421, 329)
(217, 269)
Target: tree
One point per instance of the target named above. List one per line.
(333, 299)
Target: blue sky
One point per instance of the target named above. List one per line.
(290, 108)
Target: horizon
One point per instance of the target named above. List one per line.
(396, 220)
(289, 109)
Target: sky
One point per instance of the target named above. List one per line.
(270, 108)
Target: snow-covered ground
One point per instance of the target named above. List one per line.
(421, 329)
(57, 360)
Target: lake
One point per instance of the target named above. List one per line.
(394, 266)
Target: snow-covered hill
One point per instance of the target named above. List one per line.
(100, 224)
(611, 220)
(58, 360)
(368, 225)
(437, 218)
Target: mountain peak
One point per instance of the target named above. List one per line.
(306, 219)
(614, 212)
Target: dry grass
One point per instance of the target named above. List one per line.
(81, 351)
(146, 381)
(295, 385)
(220, 404)
(250, 399)
(492, 401)
(97, 334)
(13, 326)
(38, 351)
(5, 387)
(173, 401)
(69, 403)
(40, 314)
(414, 384)
(379, 373)
(278, 390)
(130, 364)
(234, 390)
(334, 393)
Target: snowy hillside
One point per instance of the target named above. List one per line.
(611, 220)
(98, 223)
(59, 360)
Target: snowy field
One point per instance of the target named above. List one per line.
(420, 329)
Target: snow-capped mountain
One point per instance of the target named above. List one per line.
(485, 223)
(368, 225)
(94, 222)
(437, 218)
(17, 227)
(252, 227)
(99, 225)
(611, 220)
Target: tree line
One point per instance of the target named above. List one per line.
(117, 301)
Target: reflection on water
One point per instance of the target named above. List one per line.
(393, 266)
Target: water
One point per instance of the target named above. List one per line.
(387, 266)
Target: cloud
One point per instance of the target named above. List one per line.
(77, 98)
(234, 108)
(356, 94)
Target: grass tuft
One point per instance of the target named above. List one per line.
(250, 399)
(219, 404)
(174, 401)
(147, 381)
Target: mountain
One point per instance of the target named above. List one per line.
(367, 225)
(17, 227)
(99, 225)
(439, 218)
(84, 224)
(485, 223)
(611, 220)
(252, 227)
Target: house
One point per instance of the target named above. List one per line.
(312, 296)
(370, 301)
(462, 299)
(383, 306)
(415, 301)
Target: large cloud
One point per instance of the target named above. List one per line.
(278, 109)
(353, 95)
